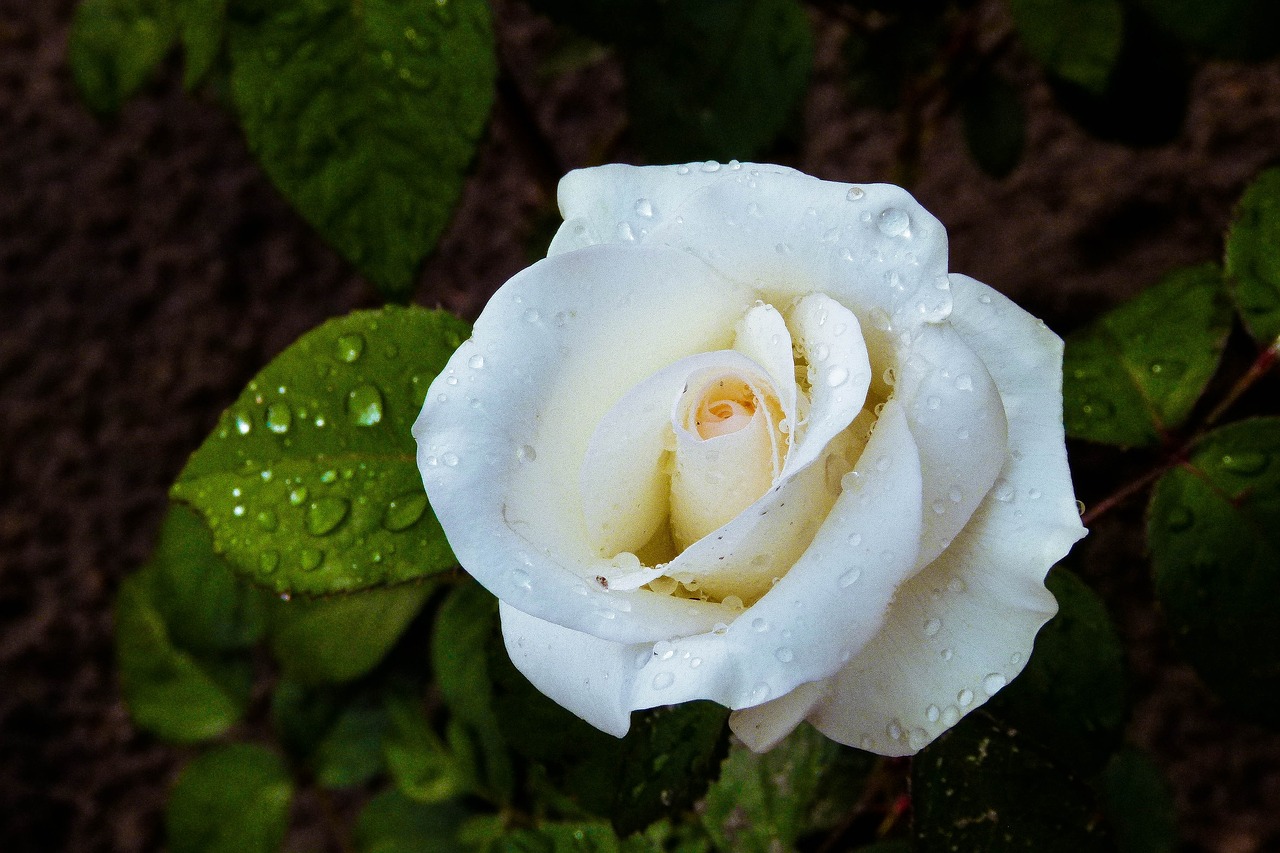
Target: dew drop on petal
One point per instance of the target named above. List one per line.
(965, 697)
(850, 577)
(893, 222)
(992, 683)
(932, 627)
(932, 713)
(784, 655)
(855, 194)
(526, 453)
(663, 680)
(759, 625)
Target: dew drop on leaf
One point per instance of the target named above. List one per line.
(325, 514)
(350, 348)
(404, 511)
(364, 405)
(279, 418)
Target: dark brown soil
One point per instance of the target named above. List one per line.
(148, 269)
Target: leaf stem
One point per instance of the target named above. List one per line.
(1263, 363)
(1126, 491)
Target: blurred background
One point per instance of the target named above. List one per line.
(149, 268)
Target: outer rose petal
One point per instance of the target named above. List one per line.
(965, 625)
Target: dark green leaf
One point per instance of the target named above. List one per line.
(761, 801)
(1234, 29)
(1077, 40)
(1214, 532)
(114, 47)
(994, 124)
(425, 769)
(351, 751)
(366, 115)
(983, 787)
(563, 838)
(309, 482)
(205, 606)
(393, 823)
(883, 63)
(460, 642)
(168, 691)
(234, 799)
(1253, 256)
(201, 27)
(1139, 805)
(344, 636)
(669, 758)
(721, 79)
(1138, 370)
(1071, 697)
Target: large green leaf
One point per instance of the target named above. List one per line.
(1078, 40)
(763, 801)
(1253, 256)
(335, 732)
(1214, 533)
(202, 28)
(719, 79)
(1139, 804)
(169, 691)
(994, 124)
(393, 823)
(983, 787)
(425, 768)
(309, 481)
(234, 799)
(366, 115)
(1138, 370)
(1071, 696)
(115, 45)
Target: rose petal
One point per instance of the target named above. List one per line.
(617, 203)
(501, 457)
(763, 337)
(964, 626)
(762, 727)
(958, 421)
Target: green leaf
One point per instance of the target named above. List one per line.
(234, 799)
(366, 115)
(201, 27)
(1253, 256)
(309, 481)
(761, 801)
(1071, 697)
(1214, 532)
(425, 769)
(1137, 371)
(720, 78)
(336, 732)
(1139, 804)
(669, 758)
(1078, 40)
(994, 124)
(564, 838)
(463, 631)
(393, 823)
(206, 607)
(1232, 29)
(983, 787)
(342, 637)
(170, 692)
(115, 46)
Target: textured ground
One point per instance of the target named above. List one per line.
(148, 269)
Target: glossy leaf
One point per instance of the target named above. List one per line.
(309, 481)
(171, 692)
(342, 637)
(366, 115)
(1137, 371)
(1253, 256)
(234, 799)
(761, 801)
(720, 78)
(1077, 40)
(1139, 804)
(1214, 533)
(115, 46)
(393, 823)
(1234, 29)
(425, 768)
(994, 124)
(1071, 697)
(983, 787)
(202, 29)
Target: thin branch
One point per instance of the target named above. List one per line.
(1125, 492)
(1263, 363)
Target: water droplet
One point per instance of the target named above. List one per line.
(449, 459)
(954, 494)
(866, 742)
(964, 382)
(734, 602)
(279, 418)
(237, 510)
(932, 627)
(939, 506)
(823, 352)
(946, 654)
(644, 208)
(404, 511)
(855, 539)
(325, 514)
(364, 405)
(526, 453)
(759, 625)
(1180, 519)
(310, 559)
(267, 561)
(521, 579)
(894, 730)
(760, 692)
(663, 680)
(694, 663)
(243, 424)
(965, 697)
(850, 577)
(784, 655)
(268, 520)
(350, 348)
(664, 650)
(992, 683)
(476, 362)
(1246, 463)
(711, 166)
(532, 315)
(1004, 491)
(894, 222)
(917, 739)
(1034, 494)
(932, 713)
(854, 193)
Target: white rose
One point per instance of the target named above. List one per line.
(741, 437)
